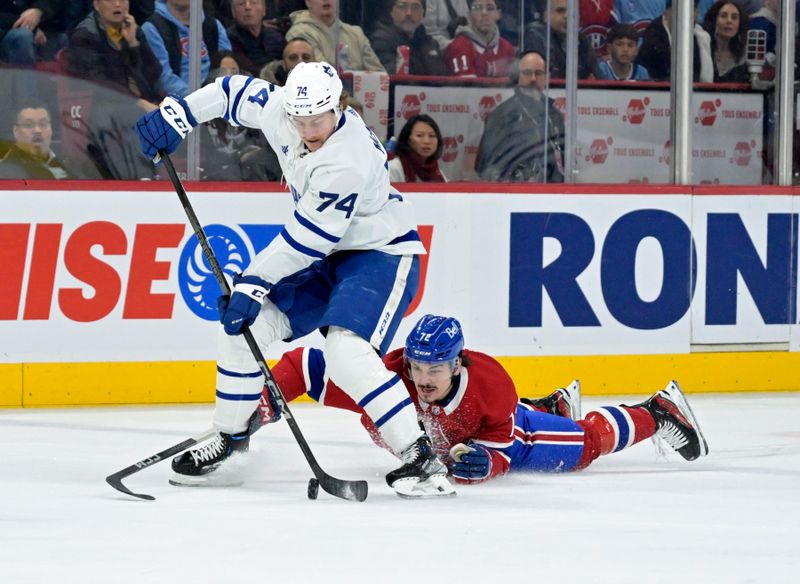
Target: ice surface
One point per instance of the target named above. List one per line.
(733, 516)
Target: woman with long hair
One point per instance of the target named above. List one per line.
(726, 22)
(419, 148)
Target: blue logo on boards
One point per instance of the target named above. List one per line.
(234, 249)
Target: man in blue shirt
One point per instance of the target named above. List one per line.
(167, 32)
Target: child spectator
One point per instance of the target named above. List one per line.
(478, 49)
(419, 148)
(622, 51)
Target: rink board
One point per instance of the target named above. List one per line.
(108, 300)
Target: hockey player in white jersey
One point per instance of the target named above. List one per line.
(346, 263)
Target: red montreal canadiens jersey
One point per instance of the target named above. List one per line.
(464, 57)
(481, 408)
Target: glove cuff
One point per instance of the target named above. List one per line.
(177, 114)
(251, 286)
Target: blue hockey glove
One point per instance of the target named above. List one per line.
(165, 127)
(471, 463)
(242, 308)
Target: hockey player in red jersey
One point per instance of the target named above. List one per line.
(477, 424)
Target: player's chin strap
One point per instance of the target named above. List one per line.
(350, 490)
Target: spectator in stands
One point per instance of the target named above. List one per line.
(639, 13)
(596, 19)
(726, 22)
(167, 33)
(749, 7)
(234, 153)
(336, 42)
(655, 49)
(419, 148)
(405, 29)
(622, 50)
(443, 17)
(516, 14)
(523, 139)
(296, 51)
(478, 50)
(109, 47)
(536, 39)
(30, 156)
(254, 43)
(31, 29)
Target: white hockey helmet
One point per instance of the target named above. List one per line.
(312, 89)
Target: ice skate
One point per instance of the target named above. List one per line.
(675, 422)
(199, 466)
(564, 402)
(422, 475)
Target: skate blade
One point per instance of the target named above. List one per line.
(209, 480)
(230, 473)
(676, 394)
(436, 485)
(574, 392)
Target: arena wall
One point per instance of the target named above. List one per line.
(106, 299)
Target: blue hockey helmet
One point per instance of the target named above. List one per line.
(435, 339)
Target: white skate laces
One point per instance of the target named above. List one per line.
(208, 452)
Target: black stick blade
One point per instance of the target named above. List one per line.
(348, 490)
(116, 481)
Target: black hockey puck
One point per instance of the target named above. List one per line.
(313, 488)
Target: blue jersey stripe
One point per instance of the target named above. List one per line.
(410, 236)
(236, 101)
(300, 247)
(388, 415)
(238, 396)
(234, 374)
(315, 228)
(379, 390)
(316, 373)
(622, 424)
(226, 87)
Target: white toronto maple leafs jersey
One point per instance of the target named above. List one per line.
(343, 199)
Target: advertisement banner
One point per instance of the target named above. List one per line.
(623, 136)
(371, 88)
(119, 276)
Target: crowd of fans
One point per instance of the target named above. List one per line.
(139, 48)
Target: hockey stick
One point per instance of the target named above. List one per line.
(115, 480)
(350, 490)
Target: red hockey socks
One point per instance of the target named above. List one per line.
(611, 429)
